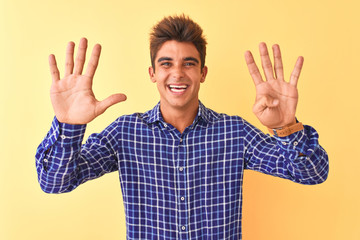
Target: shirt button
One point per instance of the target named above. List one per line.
(182, 198)
(183, 228)
(283, 143)
(296, 143)
(181, 169)
(165, 125)
(181, 140)
(62, 136)
(45, 160)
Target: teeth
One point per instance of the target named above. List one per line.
(178, 86)
(177, 89)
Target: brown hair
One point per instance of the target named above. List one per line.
(180, 28)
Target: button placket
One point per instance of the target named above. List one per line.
(182, 184)
(182, 206)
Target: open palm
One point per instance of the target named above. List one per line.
(72, 97)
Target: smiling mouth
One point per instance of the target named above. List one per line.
(178, 88)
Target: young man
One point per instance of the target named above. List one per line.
(180, 164)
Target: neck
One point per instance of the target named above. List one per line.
(180, 118)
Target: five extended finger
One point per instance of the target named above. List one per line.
(69, 59)
(296, 72)
(93, 62)
(80, 57)
(278, 65)
(253, 69)
(265, 61)
(53, 68)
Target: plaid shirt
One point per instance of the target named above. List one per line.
(178, 186)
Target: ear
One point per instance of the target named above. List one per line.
(152, 74)
(204, 72)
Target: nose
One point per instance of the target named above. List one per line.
(178, 72)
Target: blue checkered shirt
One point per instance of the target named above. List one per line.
(178, 185)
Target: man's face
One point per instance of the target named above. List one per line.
(178, 75)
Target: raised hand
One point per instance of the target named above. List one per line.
(72, 97)
(276, 99)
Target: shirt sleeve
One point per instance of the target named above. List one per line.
(297, 157)
(63, 163)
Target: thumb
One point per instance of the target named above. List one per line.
(109, 101)
(265, 102)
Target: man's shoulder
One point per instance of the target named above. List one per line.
(228, 120)
(146, 118)
(210, 115)
(215, 117)
(130, 118)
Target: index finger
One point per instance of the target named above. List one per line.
(93, 62)
(253, 69)
(296, 72)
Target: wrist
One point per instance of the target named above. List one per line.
(287, 130)
(291, 124)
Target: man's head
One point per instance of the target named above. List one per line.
(179, 28)
(178, 68)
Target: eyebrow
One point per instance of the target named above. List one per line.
(191, 59)
(164, 59)
(170, 59)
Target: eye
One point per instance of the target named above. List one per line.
(189, 64)
(165, 64)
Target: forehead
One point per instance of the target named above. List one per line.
(178, 50)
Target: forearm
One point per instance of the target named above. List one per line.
(56, 158)
(297, 157)
(307, 161)
(63, 163)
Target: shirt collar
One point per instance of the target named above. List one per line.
(154, 115)
(204, 115)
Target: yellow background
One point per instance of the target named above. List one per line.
(325, 32)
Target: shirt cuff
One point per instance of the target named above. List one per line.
(300, 143)
(64, 135)
(292, 142)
